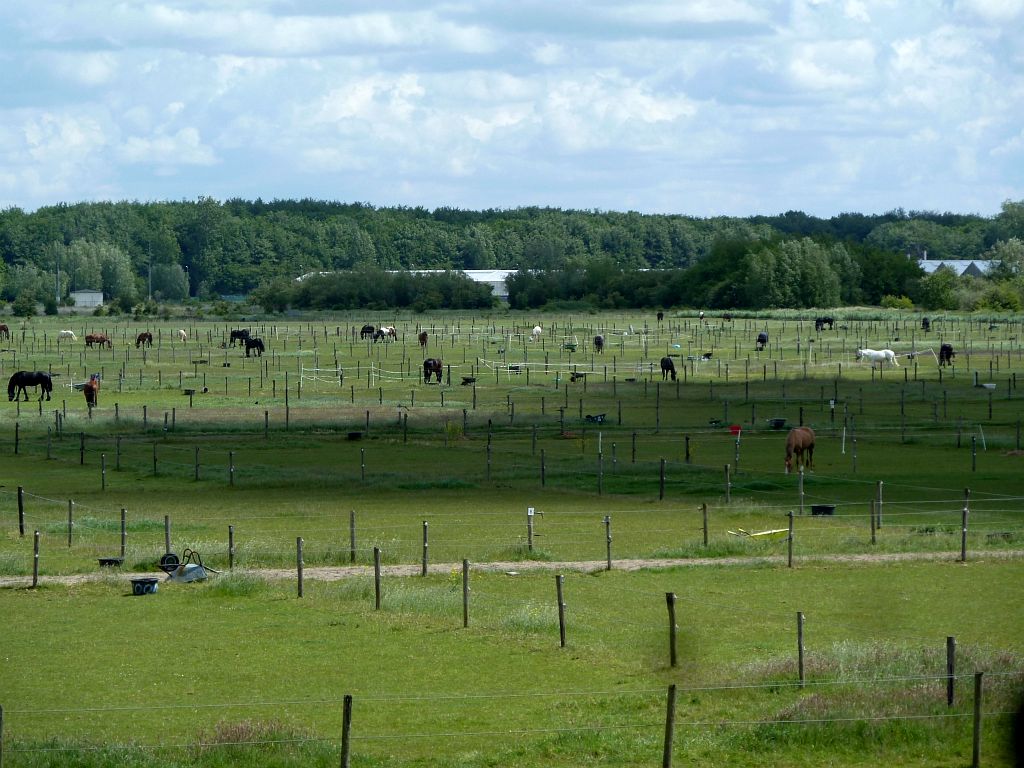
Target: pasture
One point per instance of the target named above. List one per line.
(331, 444)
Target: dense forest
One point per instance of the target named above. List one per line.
(171, 251)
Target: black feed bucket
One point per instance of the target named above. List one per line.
(144, 586)
(823, 509)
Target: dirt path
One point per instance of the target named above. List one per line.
(337, 573)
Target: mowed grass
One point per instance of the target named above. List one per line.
(166, 669)
(242, 663)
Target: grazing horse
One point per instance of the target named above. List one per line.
(91, 389)
(5, 332)
(422, 337)
(537, 331)
(800, 441)
(762, 341)
(926, 324)
(254, 343)
(389, 332)
(660, 315)
(182, 335)
(97, 338)
(880, 356)
(144, 339)
(241, 334)
(599, 344)
(946, 354)
(668, 368)
(727, 316)
(66, 336)
(821, 322)
(431, 365)
(367, 331)
(22, 379)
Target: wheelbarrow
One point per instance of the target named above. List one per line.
(188, 568)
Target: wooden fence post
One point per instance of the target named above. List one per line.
(35, 560)
(789, 542)
(608, 538)
(704, 515)
(376, 578)
(124, 531)
(231, 547)
(559, 580)
(346, 728)
(670, 601)
(167, 533)
(670, 722)
(800, 645)
(950, 670)
(465, 593)
(298, 561)
(352, 536)
(426, 546)
(21, 512)
(976, 747)
(963, 525)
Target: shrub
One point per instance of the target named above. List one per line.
(897, 302)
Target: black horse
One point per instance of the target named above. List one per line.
(821, 322)
(432, 365)
(762, 340)
(926, 324)
(22, 379)
(946, 354)
(599, 344)
(668, 368)
(367, 331)
(254, 343)
(239, 335)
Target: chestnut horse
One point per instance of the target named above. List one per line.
(90, 389)
(97, 338)
(422, 337)
(5, 332)
(144, 339)
(800, 441)
(432, 365)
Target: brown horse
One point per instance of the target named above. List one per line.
(90, 389)
(432, 365)
(97, 338)
(668, 368)
(800, 441)
(423, 337)
(144, 339)
(5, 332)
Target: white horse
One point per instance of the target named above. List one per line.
(537, 331)
(880, 356)
(182, 336)
(66, 336)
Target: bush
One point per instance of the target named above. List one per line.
(24, 305)
(897, 302)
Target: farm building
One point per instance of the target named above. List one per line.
(87, 298)
(972, 267)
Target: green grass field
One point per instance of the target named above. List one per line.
(240, 670)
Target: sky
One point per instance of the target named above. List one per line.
(694, 107)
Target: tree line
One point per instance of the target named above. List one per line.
(171, 251)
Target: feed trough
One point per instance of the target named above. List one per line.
(823, 509)
(145, 586)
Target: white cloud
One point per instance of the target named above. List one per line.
(994, 10)
(838, 65)
(185, 147)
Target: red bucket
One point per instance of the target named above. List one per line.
(735, 429)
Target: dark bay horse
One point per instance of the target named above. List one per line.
(432, 365)
(254, 344)
(762, 340)
(599, 344)
(144, 339)
(668, 368)
(800, 441)
(5, 332)
(946, 354)
(367, 331)
(423, 337)
(239, 334)
(22, 379)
